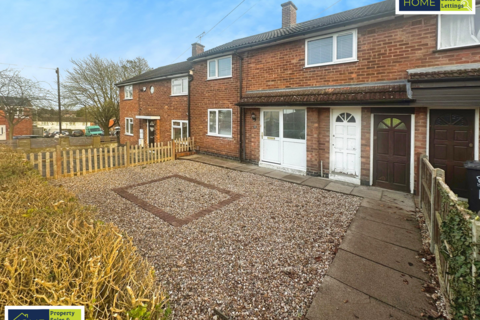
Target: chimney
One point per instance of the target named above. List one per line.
(289, 14)
(197, 48)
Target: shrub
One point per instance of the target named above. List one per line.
(53, 252)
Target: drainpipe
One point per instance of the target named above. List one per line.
(190, 79)
(241, 112)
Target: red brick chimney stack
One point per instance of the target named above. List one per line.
(197, 48)
(289, 14)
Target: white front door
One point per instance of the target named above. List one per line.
(345, 145)
(271, 136)
(283, 139)
(3, 132)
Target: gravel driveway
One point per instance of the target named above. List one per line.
(262, 256)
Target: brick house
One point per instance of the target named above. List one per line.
(154, 105)
(25, 124)
(356, 96)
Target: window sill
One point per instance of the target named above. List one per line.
(129, 134)
(208, 79)
(330, 63)
(457, 48)
(218, 135)
(179, 95)
(128, 99)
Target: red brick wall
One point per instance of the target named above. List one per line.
(252, 136)
(324, 138)
(420, 146)
(366, 139)
(160, 103)
(313, 142)
(215, 94)
(25, 127)
(385, 51)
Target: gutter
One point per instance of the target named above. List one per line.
(121, 84)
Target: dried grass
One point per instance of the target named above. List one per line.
(52, 252)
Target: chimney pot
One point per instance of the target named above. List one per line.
(197, 48)
(289, 14)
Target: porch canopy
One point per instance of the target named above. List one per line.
(366, 93)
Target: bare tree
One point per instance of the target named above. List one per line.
(91, 85)
(18, 96)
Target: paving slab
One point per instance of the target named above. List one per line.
(389, 207)
(276, 174)
(262, 170)
(392, 256)
(384, 284)
(405, 221)
(295, 178)
(401, 237)
(338, 187)
(247, 167)
(367, 192)
(316, 182)
(398, 198)
(336, 301)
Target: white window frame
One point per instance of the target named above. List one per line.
(216, 123)
(334, 56)
(179, 127)
(129, 97)
(439, 33)
(127, 126)
(216, 68)
(184, 91)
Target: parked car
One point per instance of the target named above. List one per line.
(77, 133)
(30, 136)
(93, 131)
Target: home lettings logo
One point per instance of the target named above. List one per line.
(435, 6)
(23, 316)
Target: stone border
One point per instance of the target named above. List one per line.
(174, 221)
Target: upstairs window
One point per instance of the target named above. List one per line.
(219, 68)
(179, 87)
(334, 48)
(458, 30)
(128, 92)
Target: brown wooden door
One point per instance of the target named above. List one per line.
(451, 144)
(391, 152)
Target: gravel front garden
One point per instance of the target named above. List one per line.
(262, 256)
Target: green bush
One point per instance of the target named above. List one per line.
(53, 252)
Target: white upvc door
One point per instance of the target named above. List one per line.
(283, 139)
(271, 144)
(345, 145)
(3, 132)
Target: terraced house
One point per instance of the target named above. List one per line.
(355, 96)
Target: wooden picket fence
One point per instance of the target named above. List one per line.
(70, 163)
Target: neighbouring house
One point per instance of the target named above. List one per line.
(24, 127)
(154, 105)
(356, 96)
(51, 123)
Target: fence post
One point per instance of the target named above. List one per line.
(420, 178)
(174, 150)
(437, 173)
(476, 239)
(127, 157)
(58, 160)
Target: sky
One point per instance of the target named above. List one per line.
(48, 34)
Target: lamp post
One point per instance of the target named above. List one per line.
(59, 104)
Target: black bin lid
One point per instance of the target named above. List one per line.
(474, 164)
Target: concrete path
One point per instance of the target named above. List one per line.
(376, 273)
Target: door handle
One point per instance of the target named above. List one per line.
(470, 145)
(261, 135)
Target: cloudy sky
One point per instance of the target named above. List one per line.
(50, 33)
